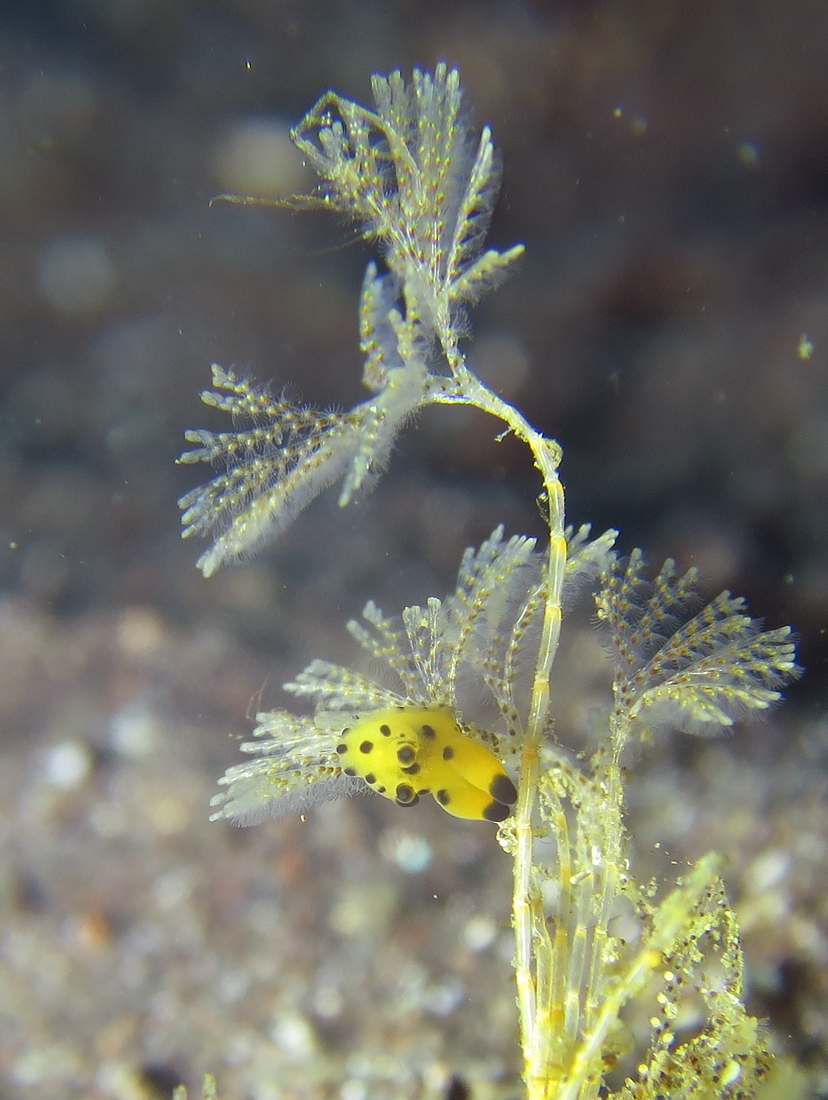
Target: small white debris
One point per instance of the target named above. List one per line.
(479, 933)
(133, 731)
(67, 765)
(292, 1033)
(410, 851)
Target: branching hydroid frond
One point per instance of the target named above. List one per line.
(410, 173)
(277, 466)
(694, 936)
(297, 767)
(272, 469)
(701, 676)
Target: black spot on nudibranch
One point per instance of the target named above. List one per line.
(448, 752)
(385, 730)
(413, 770)
(496, 811)
(503, 790)
(443, 797)
(370, 778)
(341, 749)
(366, 746)
(349, 771)
(406, 754)
(406, 795)
(428, 732)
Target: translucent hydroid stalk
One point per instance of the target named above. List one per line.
(547, 455)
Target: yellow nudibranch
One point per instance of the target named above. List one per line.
(403, 752)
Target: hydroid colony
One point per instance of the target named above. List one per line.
(409, 172)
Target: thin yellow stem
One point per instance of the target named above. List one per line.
(546, 454)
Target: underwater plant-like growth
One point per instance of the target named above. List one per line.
(409, 171)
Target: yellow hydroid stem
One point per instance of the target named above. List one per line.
(526, 919)
(535, 1046)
